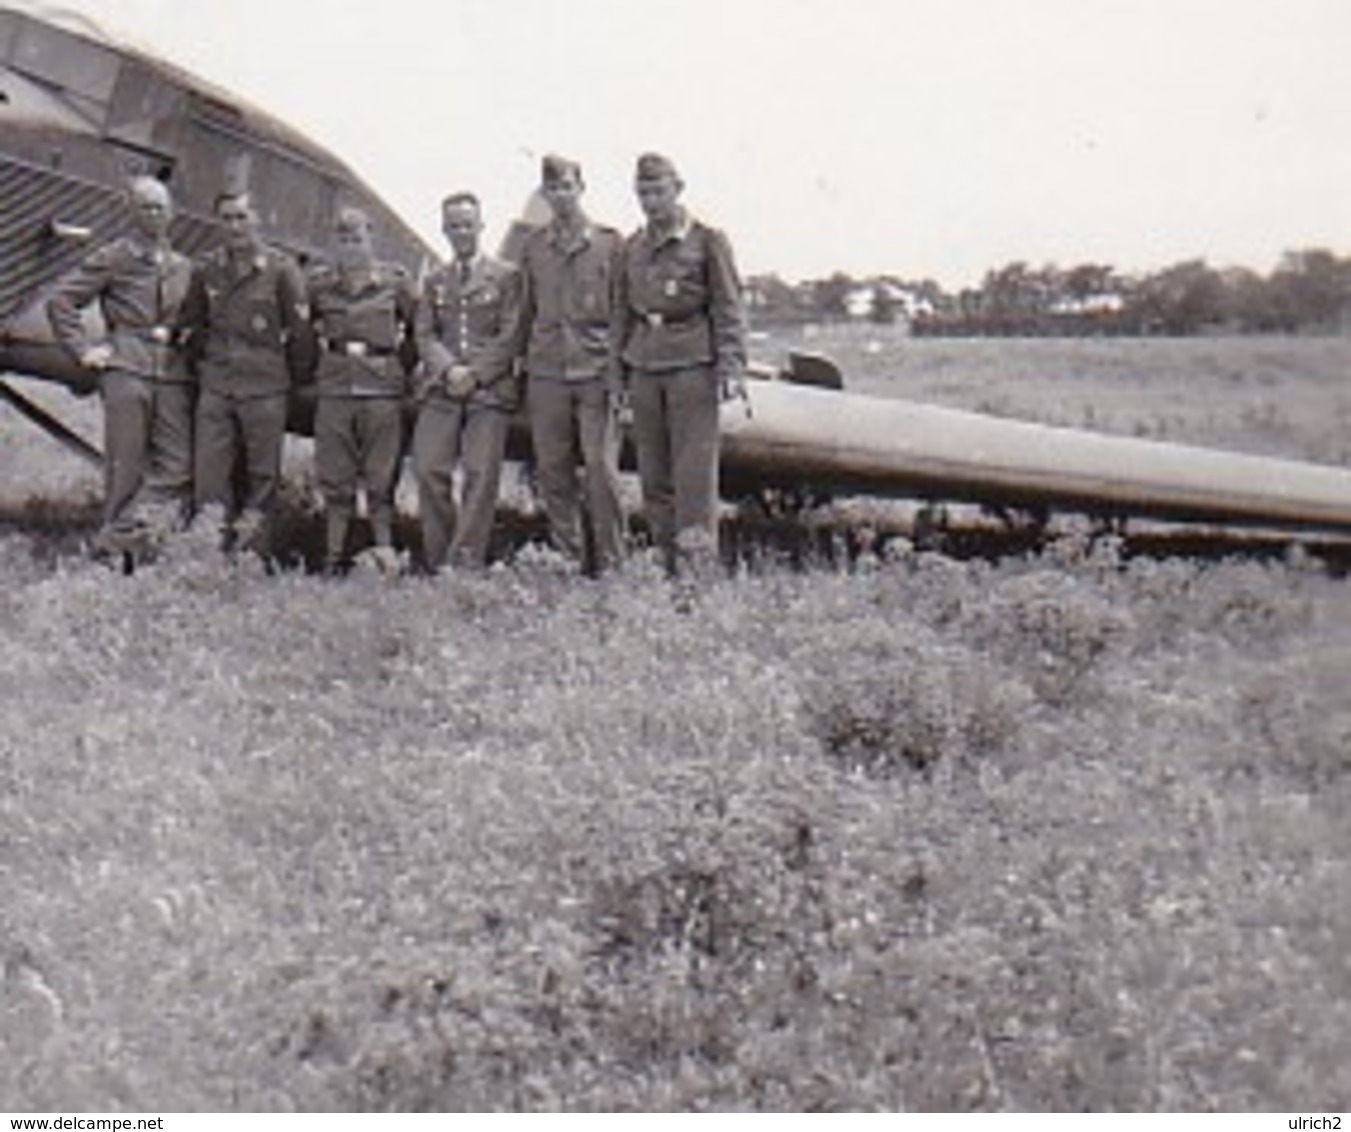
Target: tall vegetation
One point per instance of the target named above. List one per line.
(1066, 833)
(1308, 291)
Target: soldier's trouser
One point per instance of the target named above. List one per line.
(565, 415)
(675, 430)
(475, 436)
(228, 427)
(358, 440)
(147, 438)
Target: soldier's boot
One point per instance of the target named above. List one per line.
(160, 521)
(252, 532)
(382, 531)
(382, 525)
(696, 556)
(336, 523)
(569, 542)
(211, 520)
(112, 548)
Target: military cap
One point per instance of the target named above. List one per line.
(654, 166)
(461, 197)
(350, 219)
(554, 168)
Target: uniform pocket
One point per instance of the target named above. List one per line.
(260, 324)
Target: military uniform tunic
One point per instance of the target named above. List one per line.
(569, 281)
(146, 389)
(679, 333)
(467, 319)
(244, 315)
(363, 321)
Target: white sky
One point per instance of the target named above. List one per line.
(921, 137)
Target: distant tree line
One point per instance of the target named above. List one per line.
(1308, 291)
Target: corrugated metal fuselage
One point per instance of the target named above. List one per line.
(80, 117)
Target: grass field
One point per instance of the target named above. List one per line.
(1279, 397)
(1067, 832)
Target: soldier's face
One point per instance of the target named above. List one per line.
(240, 221)
(151, 210)
(462, 225)
(658, 197)
(352, 245)
(564, 195)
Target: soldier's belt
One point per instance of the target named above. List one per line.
(160, 335)
(657, 319)
(356, 348)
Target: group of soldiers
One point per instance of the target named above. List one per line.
(199, 361)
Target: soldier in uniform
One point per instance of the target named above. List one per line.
(139, 282)
(466, 331)
(568, 268)
(244, 311)
(362, 314)
(679, 343)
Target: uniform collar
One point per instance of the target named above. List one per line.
(251, 262)
(681, 229)
(359, 280)
(150, 250)
(571, 239)
(479, 268)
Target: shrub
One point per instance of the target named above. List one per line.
(1057, 833)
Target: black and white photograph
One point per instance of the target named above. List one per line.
(682, 556)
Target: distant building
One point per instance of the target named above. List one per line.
(1070, 306)
(861, 302)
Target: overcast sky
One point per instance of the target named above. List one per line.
(931, 138)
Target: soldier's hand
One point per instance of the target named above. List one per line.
(97, 357)
(459, 381)
(732, 386)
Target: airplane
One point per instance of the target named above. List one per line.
(80, 115)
